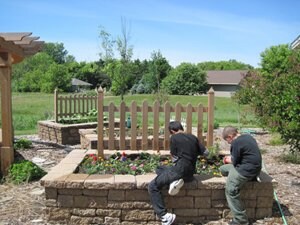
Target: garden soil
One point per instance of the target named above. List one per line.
(25, 204)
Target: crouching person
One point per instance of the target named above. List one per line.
(184, 149)
(244, 164)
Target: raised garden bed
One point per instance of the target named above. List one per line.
(66, 134)
(78, 198)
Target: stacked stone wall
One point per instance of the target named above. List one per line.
(123, 199)
(66, 134)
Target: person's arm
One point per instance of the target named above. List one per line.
(235, 155)
(173, 150)
(203, 150)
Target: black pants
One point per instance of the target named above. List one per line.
(165, 176)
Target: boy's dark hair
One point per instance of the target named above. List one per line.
(175, 126)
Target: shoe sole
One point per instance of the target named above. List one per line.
(176, 188)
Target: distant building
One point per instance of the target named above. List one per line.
(296, 43)
(225, 82)
(79, 85)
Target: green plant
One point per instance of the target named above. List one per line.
(22, 143)
(24, 171)
(276, 140)
(291, 158)
(142, 163)
(273, 92)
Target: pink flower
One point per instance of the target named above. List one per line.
(133, 168)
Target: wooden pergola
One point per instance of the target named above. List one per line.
(14, 47)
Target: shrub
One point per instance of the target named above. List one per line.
(276, 140)
(24, 171)
(273, 92)
(291, 158)
(22, 143)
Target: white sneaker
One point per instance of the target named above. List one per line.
(168, 219)
(175, 186)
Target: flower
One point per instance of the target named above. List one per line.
(133, 168)
(123, 157)
(120, 163)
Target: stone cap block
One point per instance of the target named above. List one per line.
(142, 181)
(100, 181)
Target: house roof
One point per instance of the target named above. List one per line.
(225, 77)
(296, 43)
(78, 82)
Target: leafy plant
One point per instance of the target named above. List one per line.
(22, 143)
(276, 140)
(291, 158)
(25, 171)
(142, 163)
(273, 92)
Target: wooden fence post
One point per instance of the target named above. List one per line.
(210, 117)
(7, 151)
(100, 146)
(55, 105)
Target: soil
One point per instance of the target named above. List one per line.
(25, 204)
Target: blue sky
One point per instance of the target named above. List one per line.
(183, 31)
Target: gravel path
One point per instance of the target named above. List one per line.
(24, 204)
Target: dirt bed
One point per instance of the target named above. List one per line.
(25, 204)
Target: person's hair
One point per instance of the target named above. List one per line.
(175, 126)
(229, 130)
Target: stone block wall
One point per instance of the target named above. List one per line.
(66, 134)
(123, 199)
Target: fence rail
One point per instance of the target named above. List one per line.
(67, 106)
(140, 137)
(156, 110)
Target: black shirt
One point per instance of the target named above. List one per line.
(246, 157)
(186, 148)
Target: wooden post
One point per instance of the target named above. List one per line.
(155, 141)
(7, 151)
(100, 104)
(167, 109)
(133, 129)
(145, 125)
(210, 117)
(122, 125)
(55, 105)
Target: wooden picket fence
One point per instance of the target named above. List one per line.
(69, 105)
(156, 110)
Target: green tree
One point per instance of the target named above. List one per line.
(57, 51)
(274, 93)
(275, 60)
(120, 71)
(231, 64)
(107, 45)
(185, 79)
(57, 76)
(159, 68)
(28, 74)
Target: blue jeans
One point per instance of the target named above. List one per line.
(165, 176)
(234, 183)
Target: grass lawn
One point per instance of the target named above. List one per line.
(28, 108)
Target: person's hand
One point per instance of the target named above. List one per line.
(227, 159)
(206, 153)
